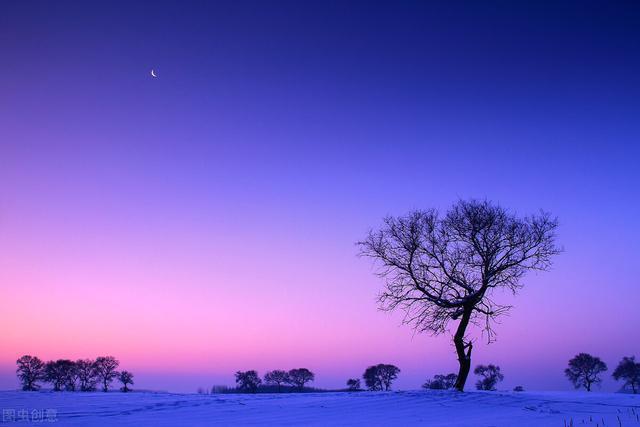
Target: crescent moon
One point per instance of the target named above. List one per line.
(153, 73)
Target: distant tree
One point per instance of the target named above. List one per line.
(106, 370)
(388, 373)
(86, 374)
(125, 377)
(30, 370)
(371, 379)
(71, 384)
(380, 377)
(584, 370)
(353, 384)
(442, 269)
(518, 388)
(299, 377)
(248, 381)
(60, 374)
(277, 377)
(629, 371)
(441, 382)
(491, 376)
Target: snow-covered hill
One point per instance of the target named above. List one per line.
(431, 408)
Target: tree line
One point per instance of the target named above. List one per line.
(292, 380)
(65, 374)
(377, 378)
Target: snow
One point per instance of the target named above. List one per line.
(431, 408)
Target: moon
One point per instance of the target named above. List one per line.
(153, 73)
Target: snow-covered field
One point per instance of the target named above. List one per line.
(431, 408)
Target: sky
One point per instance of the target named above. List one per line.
(204, 221)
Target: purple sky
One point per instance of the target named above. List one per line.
(204, 221)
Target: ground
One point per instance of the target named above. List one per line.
(403, 408)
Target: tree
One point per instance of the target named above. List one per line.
(441, 382)
(371, 379)
(277, 378)
(388, 373)
(86, 374)
(71, 383)
(248, 381)
(584, 370)
(299, 377)
(30, 370)
(125, 377)
(105, 369)
(60, 373)
(491, 376)
(380, 377)
(629, 371)
(353, 384)
(442, 269)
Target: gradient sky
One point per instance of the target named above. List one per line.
(204, 221)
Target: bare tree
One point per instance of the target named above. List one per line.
(30, 370)
(73, 377)
(106, 370)
(584, 370)
(371, 378)
(491, 376)
(248, 381)
(299, 377)
(388, 373)
(380, 377)
(60, 373)
(441, 382)
(86, 372)
(439, 269)
(125, 377)
(353, 384)
(277, 378)
(629, 371)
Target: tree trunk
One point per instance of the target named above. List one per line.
(463, 350)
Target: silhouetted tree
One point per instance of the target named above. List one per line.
(59, 373)
(380, 377)
(388, 373)
(105, 369)
(584, 370)
(518, 388)
(30, 370)
(277, 378)
(125, 377)
(299, 377)
(491, 376)
(371, 379)
(439, 269)
(441, 382)
(353, 384)
(629, 371)
(248, 381)
(71, 384)
(86, 373)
